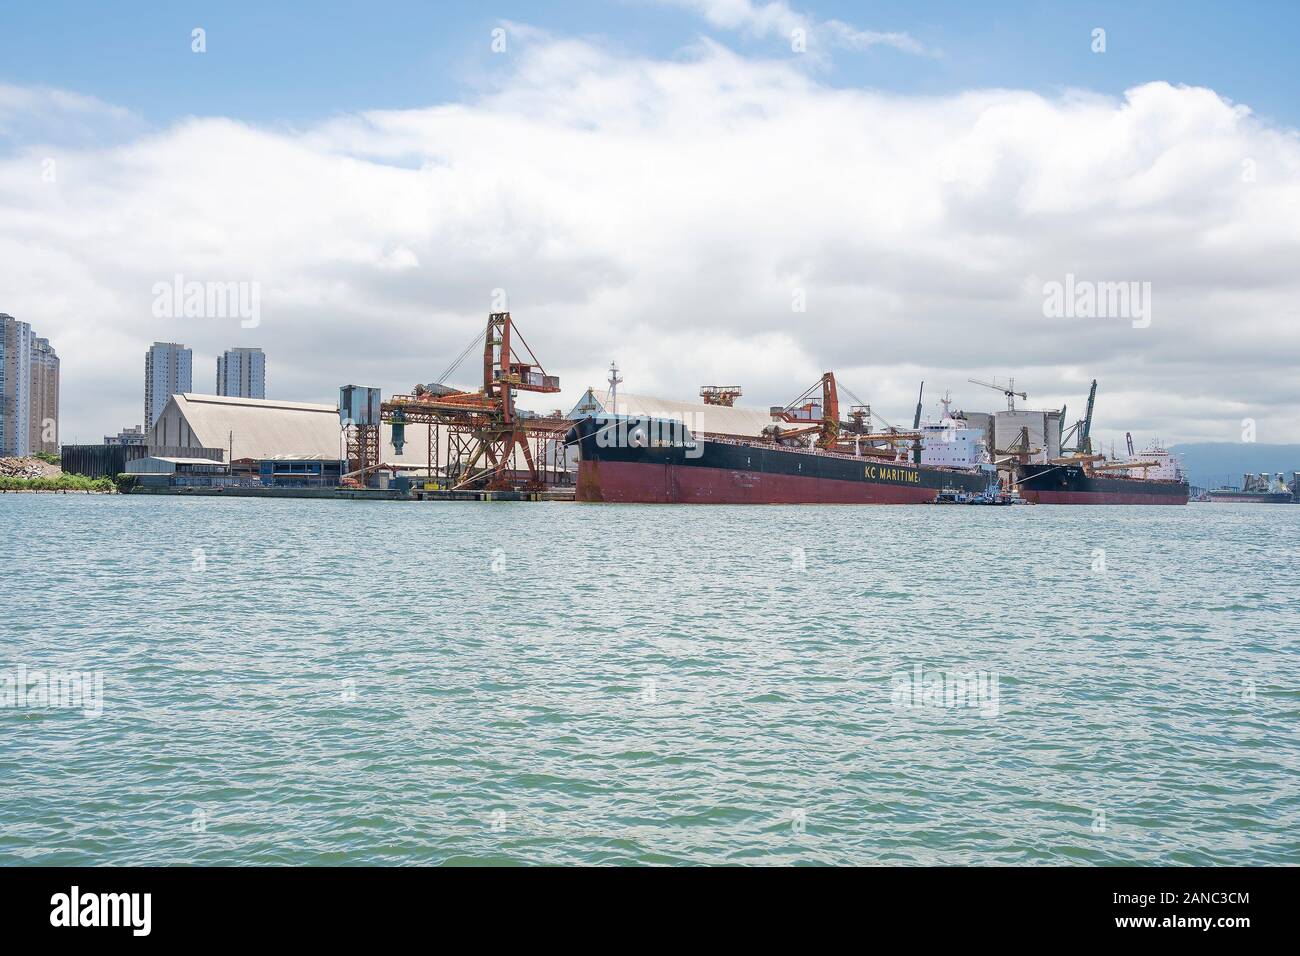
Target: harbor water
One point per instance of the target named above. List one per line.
(354, 682)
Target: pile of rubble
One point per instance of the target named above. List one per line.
(28, 468)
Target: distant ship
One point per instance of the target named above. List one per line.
(1255, 489)
(1158, 481)
(1072, 485)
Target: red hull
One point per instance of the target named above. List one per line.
(625, 483)
(1100, 498)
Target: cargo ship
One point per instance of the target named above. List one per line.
(1255, 489)
(1048, 484)
(1078, 476)
(634, 459)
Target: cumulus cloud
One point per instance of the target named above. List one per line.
(672, 215)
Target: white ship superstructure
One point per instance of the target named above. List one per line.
(1168, 467)
(952, 442)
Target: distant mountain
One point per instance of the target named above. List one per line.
(1213, 464)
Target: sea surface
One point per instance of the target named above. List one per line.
(319, 682)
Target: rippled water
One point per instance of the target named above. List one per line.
(377, 682)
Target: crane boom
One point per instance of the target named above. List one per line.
(916, 424)
(1085, 433)
(1008, 390)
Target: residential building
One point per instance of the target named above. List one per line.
(131, 435)
(168, 371)
(44, 430)
(241, 373)
(15, 387)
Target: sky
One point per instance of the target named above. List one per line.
(705, 191)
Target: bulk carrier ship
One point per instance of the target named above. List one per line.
(1080, 477)
(1255, 489)
(1153, 478)
(808, 457)
(1075, 485)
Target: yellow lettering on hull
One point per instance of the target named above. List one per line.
(883, 473)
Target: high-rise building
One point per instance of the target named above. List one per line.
(15, 386)
(241, 373)
(45, 398)
(168, 371)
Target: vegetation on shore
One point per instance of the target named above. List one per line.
(61, 483)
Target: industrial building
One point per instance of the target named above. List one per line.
(288, 471)
(1044, 430)
(260, 430)
(247, 427)
(163, 471)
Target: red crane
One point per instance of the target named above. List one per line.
(486, 437)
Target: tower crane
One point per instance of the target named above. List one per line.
(1008, 390)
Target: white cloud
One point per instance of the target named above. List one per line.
(34, 115)
(664, 214)
(777, 19)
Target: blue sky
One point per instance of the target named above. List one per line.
(657, 182)
(293, 62)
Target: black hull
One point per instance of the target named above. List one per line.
(1071, 485)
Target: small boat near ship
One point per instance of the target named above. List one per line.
(991, 495)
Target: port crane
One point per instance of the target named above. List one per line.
(916, 426)
(1081, 431)
(1008, 390)
(488, 437)
(854, 437)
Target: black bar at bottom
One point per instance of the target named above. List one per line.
(332, 906)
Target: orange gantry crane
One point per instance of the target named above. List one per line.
(823, 418)
(490, 444)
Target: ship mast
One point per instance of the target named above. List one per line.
(615, 380)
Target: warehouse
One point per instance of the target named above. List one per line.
(258, 430)
(247, 427)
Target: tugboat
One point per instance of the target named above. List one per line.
(991, 495)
